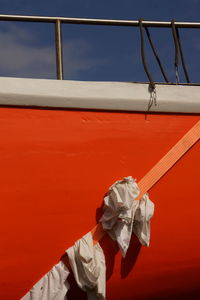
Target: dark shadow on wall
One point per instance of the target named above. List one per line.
(110, 249)
(164, 295)
(75, 293)
(192, 294)
(129, 261)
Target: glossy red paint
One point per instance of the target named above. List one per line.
(56, 167)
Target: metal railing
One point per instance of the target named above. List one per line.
(58, 28)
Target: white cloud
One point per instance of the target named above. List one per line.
(77, 57)
(22, 55)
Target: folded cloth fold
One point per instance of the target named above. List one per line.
(123, 215)
(88, 265)
(52, 286)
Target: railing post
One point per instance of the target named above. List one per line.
(59, 55)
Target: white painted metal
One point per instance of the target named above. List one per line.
(119, 96)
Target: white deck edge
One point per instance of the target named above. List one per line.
(119, 96)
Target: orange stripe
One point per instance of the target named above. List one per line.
(156, 173)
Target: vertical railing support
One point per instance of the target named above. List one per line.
(59, 54)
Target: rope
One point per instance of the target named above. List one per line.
(152, 86)
(174, 33)
(182, 57)
(178, 48)
(156, 55)
(151, 81)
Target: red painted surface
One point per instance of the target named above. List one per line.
(56, 167)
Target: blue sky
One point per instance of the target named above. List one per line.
(96, 52)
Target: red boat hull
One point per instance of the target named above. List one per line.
(56, 166)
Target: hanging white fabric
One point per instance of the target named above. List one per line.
(88, 265)
(124, 215)
(52, 286)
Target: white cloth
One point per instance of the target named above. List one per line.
(124, 215)
(53, 286)
(88, 265)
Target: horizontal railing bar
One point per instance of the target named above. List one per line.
(97, 21)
